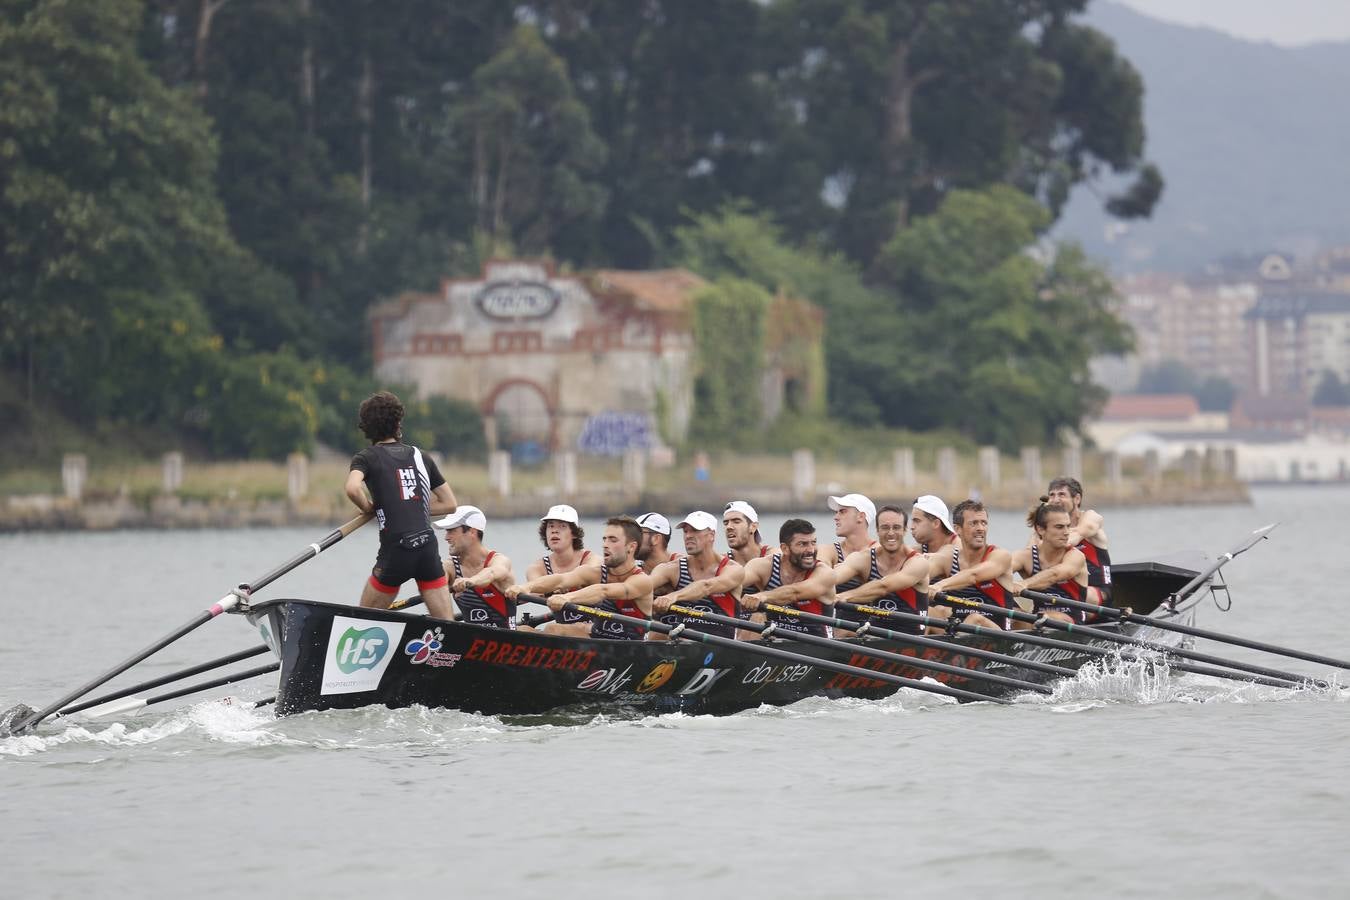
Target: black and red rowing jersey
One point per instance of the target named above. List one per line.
(792, 623)
(484, 605)
(985, 592)
(619, 631)
(909, 600)
(567, 617)
(400, 480)
(1099, 567)
(1069, 590)
(723, 604)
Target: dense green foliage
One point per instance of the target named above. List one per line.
(729, 331)
(199, 199)
(1212, 393)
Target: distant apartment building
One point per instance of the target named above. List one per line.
(1296, 333)
(1197, 321)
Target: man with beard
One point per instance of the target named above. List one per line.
(741, 523)
(1050, 565)
(617, 585)
(791, 577)
(1088, 536)
(701, 579)
(655, 547)
(977, 570)
(560, 531)
(889, 576)
(477, 575)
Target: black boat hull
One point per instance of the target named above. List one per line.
(338, 657)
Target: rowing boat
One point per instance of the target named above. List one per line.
(335, 656)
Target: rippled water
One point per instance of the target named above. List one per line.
(1120, 784)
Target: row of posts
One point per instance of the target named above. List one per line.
(75, 470)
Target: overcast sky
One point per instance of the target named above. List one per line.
(1286, 22)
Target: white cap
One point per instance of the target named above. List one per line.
(471, 516)
(561, 513)
(654, 522)
(858, 502)
(937, 509)
(700, 521)
(745, 509)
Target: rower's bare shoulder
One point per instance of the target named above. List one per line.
(534, 570)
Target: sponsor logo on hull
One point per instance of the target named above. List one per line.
(526, 656)
(426, 650)
(657, 677)
(358, 654)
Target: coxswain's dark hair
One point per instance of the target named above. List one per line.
(891, 507)
(577, 533)
(380, 416)
(793, 527)
(1039, 514)
(965, 506)
(1073, 484)
(632, 531)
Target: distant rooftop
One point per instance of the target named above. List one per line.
(1152, 407)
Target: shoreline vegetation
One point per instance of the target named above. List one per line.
(116, 495)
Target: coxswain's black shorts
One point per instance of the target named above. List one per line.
(397, 562)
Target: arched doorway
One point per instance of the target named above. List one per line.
(522, 420)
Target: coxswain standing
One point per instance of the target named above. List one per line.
(741, 523)
(478, 576)
(1088, 536)
(794, 576)
(931, 525)
(889, 576)
(701, 579)
(976, 570)
(560, 531)
(617, 585)
(403, 489)
(1050, 565)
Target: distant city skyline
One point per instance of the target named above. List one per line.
(1287, 22)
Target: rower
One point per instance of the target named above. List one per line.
(561, 533)
(1088, 537)
(402, 488)
(701, 579)
(977, 570)
(931, 525)
(793, 576)
(618, 585)
(477, 575)
(889, 576)
(741, 523)
(853, 516)
(655, 547)
(1050, 565)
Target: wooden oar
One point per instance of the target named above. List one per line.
(1040, 640)
(1041, 621)
(132, 704)
(753, 648)
(165, 679)
(863, 649)
(1125, 615)
(23, 718)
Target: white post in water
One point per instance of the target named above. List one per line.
(946, 467)
(1111, 465)
(297, 476)
(1190, 465)
(803, 475)
(1152, 467)
(1031, 466)
(565, 469)
(173, 472)
(1071, 462)
(499, 472)
(989, 467)
(1230, 462)
(634, 471)
(904, 467)
(1213, 461)
(74, 473)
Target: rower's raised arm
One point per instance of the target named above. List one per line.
(1089, 526)
(856, 566)
(548, 584)
(1069, 568)
(996, 567)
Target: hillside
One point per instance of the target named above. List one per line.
(1251, 138)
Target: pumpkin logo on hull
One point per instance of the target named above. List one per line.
(657, 676)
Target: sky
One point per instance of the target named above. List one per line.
(1284, 22)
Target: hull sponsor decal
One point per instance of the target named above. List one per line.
(358, 654)
(505, 653)
(426, 650)
(657, 677)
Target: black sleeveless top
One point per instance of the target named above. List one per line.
(724, 604)
(792, 623)
(909, 600)
(609, 629)
(485, 605)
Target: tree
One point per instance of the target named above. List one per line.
(1331, 391)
